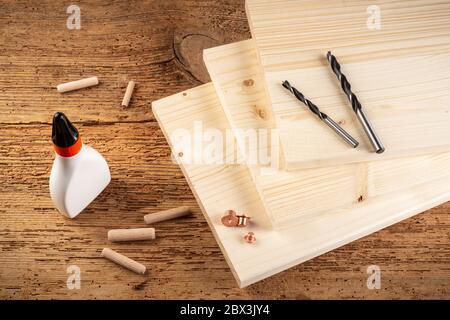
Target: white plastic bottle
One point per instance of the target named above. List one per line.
(79, 173)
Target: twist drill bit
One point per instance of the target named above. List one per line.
(356, 105)
(322, 116)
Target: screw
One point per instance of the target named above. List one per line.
(250, 237)
(230, 219)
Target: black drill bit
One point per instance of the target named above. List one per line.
(356, 105)
(322, 116)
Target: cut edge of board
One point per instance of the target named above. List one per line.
(222, 99)
(155, 107)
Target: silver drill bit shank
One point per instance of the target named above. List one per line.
(338, 129)
(374, 140)
(356, 105)
(322, 116)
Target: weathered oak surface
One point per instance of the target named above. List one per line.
(158, 44)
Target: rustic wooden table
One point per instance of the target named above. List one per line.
(158, 44)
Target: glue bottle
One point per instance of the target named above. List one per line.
(79, 173)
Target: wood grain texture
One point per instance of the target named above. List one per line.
(157, 44)
(37, 244)
(302, 195)
(225, 185)
(399, 72)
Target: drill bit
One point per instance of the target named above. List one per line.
(356, 105)
(322, 116)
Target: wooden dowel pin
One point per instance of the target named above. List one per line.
(167, 214)
(124, 261)
(128, 93)
(78, 84)
(117, 235)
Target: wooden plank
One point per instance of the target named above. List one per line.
(400, 73)
(303, 194)
(218, 187)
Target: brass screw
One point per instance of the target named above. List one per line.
(230, 219)
(250, 237)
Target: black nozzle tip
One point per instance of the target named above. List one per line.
(64, 134)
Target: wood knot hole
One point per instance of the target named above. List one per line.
(248, 82)
(261, 114)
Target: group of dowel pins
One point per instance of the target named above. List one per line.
(139, 234)
(80, 173)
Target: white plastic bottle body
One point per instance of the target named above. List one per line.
(76, 181)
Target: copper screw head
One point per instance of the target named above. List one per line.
(230, 219)
(250, 237)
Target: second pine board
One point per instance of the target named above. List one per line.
(301, 195)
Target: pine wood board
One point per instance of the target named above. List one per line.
(230, 186)
(400, 73)
(302, 195)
